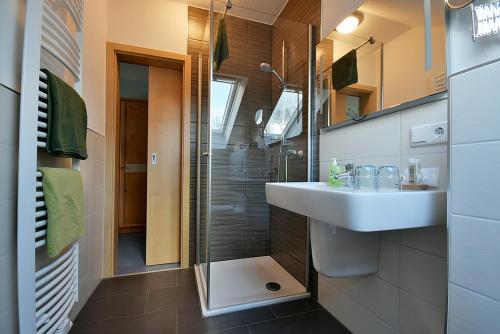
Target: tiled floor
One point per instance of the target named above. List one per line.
(167, 302)
(132, 255)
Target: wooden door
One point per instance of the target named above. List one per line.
(133, 168)
(164, 176)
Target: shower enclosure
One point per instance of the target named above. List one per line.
(251, 128)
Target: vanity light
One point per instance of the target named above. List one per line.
(349, 24)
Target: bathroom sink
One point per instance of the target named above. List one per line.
(360, 211)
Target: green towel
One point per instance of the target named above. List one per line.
(63, 196)
(345, 71)
(67, 120)
(221, 51)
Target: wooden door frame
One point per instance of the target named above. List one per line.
(116, 53)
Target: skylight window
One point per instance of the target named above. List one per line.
(222, 96)
(227, 93)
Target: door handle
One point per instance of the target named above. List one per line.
(205, 154)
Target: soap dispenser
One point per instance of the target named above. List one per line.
(334, 171)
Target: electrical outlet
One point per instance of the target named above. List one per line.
(429, 134)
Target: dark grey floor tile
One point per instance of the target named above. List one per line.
(172, 297)
(315, 322)
(153, 323)
(109, 307)
(295, 307)
(190, 321)
(127, 284)
(237, 330)
(186, 277)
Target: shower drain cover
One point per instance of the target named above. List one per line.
(273, 286)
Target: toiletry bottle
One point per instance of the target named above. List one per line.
(413, 170)
(335, 170)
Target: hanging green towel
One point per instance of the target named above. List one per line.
(345, 71)
(67, 120)
(221, 51)
(63, 196)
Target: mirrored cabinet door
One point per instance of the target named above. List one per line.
(382, 55)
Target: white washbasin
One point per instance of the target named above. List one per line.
(360, 211)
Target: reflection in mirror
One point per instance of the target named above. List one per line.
(258, 116)
(286, 120)
(406, 62)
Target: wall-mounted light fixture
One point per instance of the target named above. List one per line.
(457, 4)
(350, 23)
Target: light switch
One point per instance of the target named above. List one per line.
(429, 134)
(154, 159)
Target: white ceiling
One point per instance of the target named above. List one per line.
(264, 11)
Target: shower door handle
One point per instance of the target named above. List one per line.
(205, 154)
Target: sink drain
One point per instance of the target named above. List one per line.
(273, 286)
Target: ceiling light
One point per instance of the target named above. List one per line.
(348, 25)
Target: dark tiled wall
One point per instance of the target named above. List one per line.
(292, 27)
(243, 223)
(240, 224)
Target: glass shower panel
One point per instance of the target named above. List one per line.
(240, 107)
(255, 127)
(199, 121)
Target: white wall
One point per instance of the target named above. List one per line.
(11, 32)
(11, 39)
(9, 114)
(94, 63)
(473, 203)
(408, 294)
(154, 24)
(474, 220)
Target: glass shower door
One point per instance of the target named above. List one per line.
(202, 68)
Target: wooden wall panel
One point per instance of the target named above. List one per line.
(136, 132)
(133, 152)
(134, 203)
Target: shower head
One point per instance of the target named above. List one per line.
(266, 68)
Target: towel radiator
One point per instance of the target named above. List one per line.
(47, 288)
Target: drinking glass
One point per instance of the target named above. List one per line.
(366, 178)
(388, 179)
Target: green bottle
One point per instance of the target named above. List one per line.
(335, 170)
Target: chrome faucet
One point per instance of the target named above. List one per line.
(295, 154)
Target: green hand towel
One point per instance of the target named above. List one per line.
(67, 120)
(63, 195)
(345, 71)
(221, 51)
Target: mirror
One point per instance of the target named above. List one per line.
(382, 55)
(286, 120)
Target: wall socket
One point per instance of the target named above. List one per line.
(429, 134)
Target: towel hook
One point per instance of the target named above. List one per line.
(229, 5)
